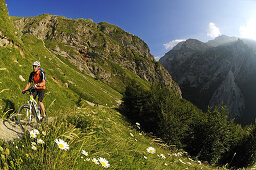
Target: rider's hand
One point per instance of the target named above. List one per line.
(35, 86)
(23, 91)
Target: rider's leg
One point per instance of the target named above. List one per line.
(40, 99)
(42, 107)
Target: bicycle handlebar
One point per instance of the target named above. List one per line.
(28, 90)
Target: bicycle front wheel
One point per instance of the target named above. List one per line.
(24, 114)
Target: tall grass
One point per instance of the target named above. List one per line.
(102, 132)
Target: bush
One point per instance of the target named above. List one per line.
(208, 136)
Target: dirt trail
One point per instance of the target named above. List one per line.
(10, 130)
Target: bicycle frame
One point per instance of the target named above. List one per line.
(32, 102)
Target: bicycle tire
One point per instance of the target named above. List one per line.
(22, 116)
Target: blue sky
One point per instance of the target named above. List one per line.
(160, 23)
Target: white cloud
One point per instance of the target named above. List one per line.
(213, 30)
(173, 43)
(157, 58)
(248, 30)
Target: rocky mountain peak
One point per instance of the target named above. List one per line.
(220, 74)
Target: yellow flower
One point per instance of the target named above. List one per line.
(3, 157)
(62, 145)
(44, 133)
(27, 155)
(104, 162)
(151, 150)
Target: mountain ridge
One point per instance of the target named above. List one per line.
(216, 75)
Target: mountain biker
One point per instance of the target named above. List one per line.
(38, 77)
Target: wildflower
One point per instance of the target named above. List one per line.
(88, 159)
(22, 146)
(140, 134)
(3, 157)
(162, 155)
(82, 157)
(1, 149)
(32, 134)
(182, 161)
(33, 143)
(145, 157)
(84, 153)
(104, 162)
(7, 151)
(36, 131)
(34, 147)
(62, 144)
(131, 135)
(199, 162)
(40, 141)
(165, 164)
(151, 150)
(138, 124)
(16, 147)
(95, 161)
(44, 133)
(27, 155)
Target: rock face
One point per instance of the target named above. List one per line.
(102, 50)
(223, 73)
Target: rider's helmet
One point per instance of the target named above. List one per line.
(36, 63)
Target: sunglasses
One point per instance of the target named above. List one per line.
(35, 66)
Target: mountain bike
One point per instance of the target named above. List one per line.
(29, 111)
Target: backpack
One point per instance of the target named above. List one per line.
(42, 71)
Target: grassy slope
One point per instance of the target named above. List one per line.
(58, 72)
(102, 132)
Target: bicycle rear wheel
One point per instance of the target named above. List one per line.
(24, 114)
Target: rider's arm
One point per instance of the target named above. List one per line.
(27, 86)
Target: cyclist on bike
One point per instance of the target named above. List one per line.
(38, 77)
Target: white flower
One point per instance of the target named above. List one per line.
(82, 157)
(162, 155)
(88, 159)
(95, 161)
(32, 134)
(165, 164)
(145, 157)
(104, 162)
(17, 147)
(84, 153)
(138, 124)
(182, 161)
(62, 144)
(34, 147)
(40, 141)
(33, 143)
(131, 135)
(140, 133)
(151, 150)
(44, 133)
(199, 162)
(36, 131)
